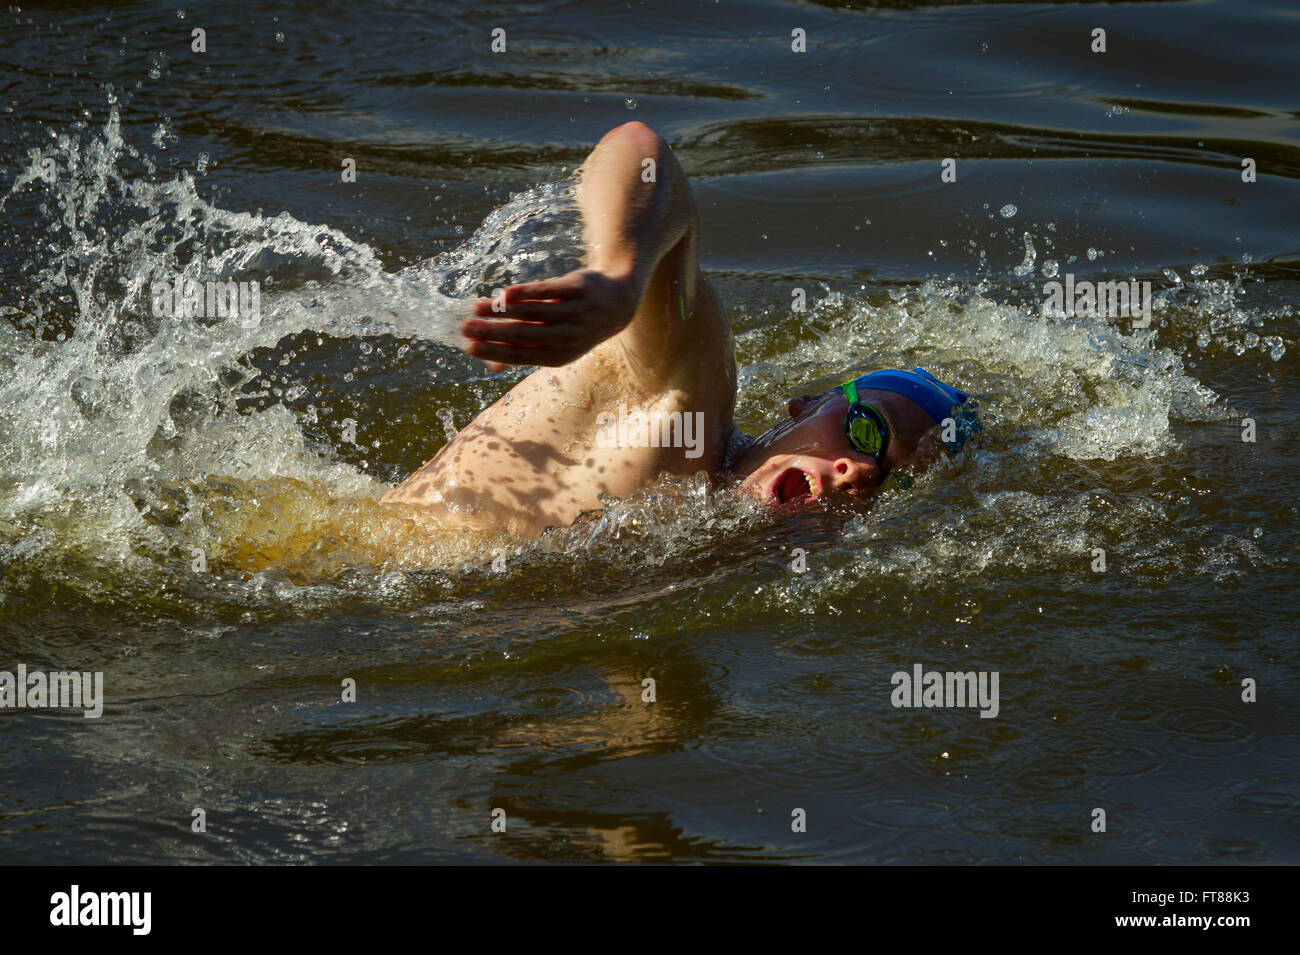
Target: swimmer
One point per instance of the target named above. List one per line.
(638, 334)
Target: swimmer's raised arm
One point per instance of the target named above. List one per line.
(640, 335)
(640, 228)
(637, 208)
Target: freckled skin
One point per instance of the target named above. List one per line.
(521, 476)
(533, 452)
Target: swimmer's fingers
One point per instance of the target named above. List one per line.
(496, 354)
(581, 310)
(536, 300)
(504, 342)
(565, 287)
(521, 333)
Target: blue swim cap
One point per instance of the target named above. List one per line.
(935, 398)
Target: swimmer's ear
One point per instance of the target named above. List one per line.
(797, 406)
(801, 404)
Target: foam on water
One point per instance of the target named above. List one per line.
(125, 452)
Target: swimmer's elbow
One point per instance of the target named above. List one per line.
(636, 135)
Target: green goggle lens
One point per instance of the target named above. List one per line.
(864, 434)
(865, 427)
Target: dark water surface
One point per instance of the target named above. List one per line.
(180, 508)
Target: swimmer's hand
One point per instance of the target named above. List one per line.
(551, 322)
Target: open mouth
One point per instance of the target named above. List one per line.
(794, 485)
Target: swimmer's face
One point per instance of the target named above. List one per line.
(808, 456)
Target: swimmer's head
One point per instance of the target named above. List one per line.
(848, 439)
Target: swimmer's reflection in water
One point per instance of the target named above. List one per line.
(615, 735)
(639, 327)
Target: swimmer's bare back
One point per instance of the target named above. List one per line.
(638, 329)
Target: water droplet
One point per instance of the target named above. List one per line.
(1199, 269)
(1026, 267)
(445, 418)
(1051, 268)
(1092, 254)
(1173, 276)
(1008, 211)
(630, 103)
(279, 38)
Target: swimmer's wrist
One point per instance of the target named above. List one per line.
(628, 282)
(622, 272)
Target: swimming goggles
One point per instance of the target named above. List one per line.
(865, 427)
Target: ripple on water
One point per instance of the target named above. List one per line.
(557, 698)
(1273, 795)
(1218, 732)
(824, 764)
(904, 813)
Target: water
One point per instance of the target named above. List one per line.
(190, 505)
